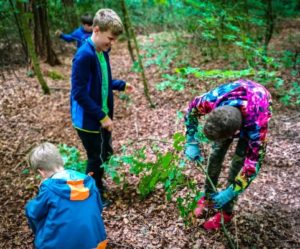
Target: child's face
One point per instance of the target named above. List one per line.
(103, 39)
(88, 28)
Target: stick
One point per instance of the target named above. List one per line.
(229, 239)
(145, 139)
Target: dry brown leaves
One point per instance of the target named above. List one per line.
(267, 214)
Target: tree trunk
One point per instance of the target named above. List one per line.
(43, 43)
(23, 42)
(269, 26)
(70, 12)
(127, 31)
(24, 18)
(132, 34)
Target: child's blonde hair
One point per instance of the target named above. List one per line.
(107, 19)
(45, 157)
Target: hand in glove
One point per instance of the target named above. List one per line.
(223, 197)
(192, 151)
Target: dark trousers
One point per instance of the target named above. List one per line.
(215, 162)
(98, 148)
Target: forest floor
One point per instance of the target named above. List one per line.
(267, 214)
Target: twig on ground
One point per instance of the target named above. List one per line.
(111, 243)
(143, 140)
(59, 88)
(136, 123)
(236, 233)
(229, 239)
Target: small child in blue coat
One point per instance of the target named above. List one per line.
(66, 213)
(80, 34)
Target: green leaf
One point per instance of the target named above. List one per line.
(285, 99)
(179, 115)
(279, 82)
(25, 171)
(166, 159)
(178, 139)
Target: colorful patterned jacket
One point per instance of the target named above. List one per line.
(254, 102)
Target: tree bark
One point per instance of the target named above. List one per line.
(70, 12)
(43, 44)
(269, 26)
(25, 18)
(132, 34)
(127, 32)
(23, 42)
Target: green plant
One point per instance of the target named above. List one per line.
(71, 158)
(161, 50)
(292, 96)
(167, 170)
(55, 75)
(215, 73)
(175, 82)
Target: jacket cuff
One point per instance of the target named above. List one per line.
(125, 88)
(191, 139)
(104, 119)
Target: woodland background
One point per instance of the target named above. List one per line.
(171, 51)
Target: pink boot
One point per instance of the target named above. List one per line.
(214, 223)
(202, 207)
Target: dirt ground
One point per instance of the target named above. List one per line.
(267, 214)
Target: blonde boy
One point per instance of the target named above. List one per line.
(66, 213)
(92, 93)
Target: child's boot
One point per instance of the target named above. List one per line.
(214, 223)
(203, 205)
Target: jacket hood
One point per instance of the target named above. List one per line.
(71, 185)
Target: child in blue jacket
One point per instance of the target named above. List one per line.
(66, 213)
(92, 93)
(80, 34)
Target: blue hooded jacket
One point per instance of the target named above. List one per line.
(79, 35)
(86, 94)
(66, 213)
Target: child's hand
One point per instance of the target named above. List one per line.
(223, 197)
(129, 88)
(192, 152)
(107, 123)
(58, 33)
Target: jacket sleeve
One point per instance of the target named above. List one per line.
(118, 85)
(36, 210)
(255, 154)
(197, 107)
(74, 36)
(81, 71)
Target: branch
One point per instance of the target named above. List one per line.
(229, 239)
(145, 139)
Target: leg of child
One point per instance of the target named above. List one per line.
(106, 151)
(236, 165)
(215, 162)
(92, 144)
